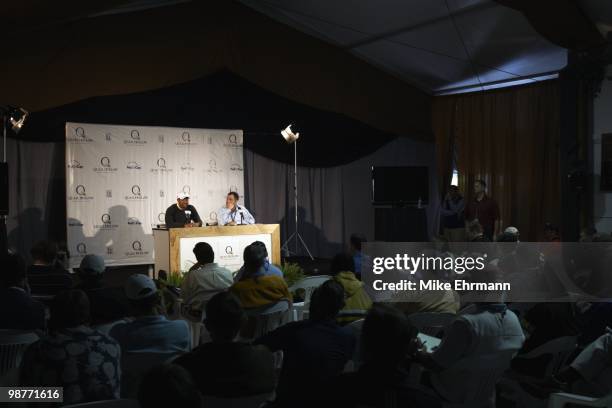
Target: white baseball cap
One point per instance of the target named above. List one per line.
(139, 286)
(182, 196)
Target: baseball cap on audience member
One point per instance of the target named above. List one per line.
(139, 286)
(511, 231)
(92, 265)
(182, 196)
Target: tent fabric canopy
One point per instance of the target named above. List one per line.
(223, 101)
(56, 64)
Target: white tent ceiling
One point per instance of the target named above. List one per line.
(440, 46)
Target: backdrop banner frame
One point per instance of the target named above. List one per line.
(120, 179)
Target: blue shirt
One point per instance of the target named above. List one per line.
(152, 334)
(240, 216)
(266, 270)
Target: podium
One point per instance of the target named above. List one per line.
(174, 246)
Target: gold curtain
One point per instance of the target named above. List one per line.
(509, 138)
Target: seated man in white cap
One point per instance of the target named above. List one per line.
(150, 331)
(182, 214)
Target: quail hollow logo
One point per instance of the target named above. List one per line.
(136, 250)
(137, 194)
(105, 166)
(229, 253)
(79, 136)
(80, 194)
(212, 167)
(232, 141)
(161, 166)
(106, 223)
(81, 249)
(135, 139)
(185, 140)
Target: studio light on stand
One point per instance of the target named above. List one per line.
(292, 138)
(12, 118)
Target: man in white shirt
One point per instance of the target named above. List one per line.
(204, 280)
(487, 338)
(232, 213)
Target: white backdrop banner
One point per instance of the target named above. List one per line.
(121, 179)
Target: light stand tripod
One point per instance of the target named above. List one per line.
(16, 117)
(290, 137)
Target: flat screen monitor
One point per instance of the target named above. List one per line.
(401, 185)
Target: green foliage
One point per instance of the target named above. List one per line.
(175, 279)
(292, 273)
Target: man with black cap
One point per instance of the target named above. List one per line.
(107, 304)
(182, 214)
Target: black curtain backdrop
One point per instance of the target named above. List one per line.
(223, 101)
(335, 157)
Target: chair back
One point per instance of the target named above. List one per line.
(357, 359)
(476, 378)
(13, 344)
(135, 365)
(117, 403)
(254, 401)
(431, 323)
(309, 284)
(263, 320)
(560, 349)
(565, 400)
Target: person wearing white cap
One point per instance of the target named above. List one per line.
(182, 214)
(150, 331)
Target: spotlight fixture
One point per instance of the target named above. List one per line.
(288, 134)
(17, 117)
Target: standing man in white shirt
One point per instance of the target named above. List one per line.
(232, 213)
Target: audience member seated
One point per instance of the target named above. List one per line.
(44, 276)
(205, 279)
(491, 331)
(475, 232)
(435, 301)
(545, 322)
(388, 340)
(224, 367)
(591, 371)
(356, 298)
(17, 309)
(150, 331)
(168, 385)
(356, 241)
(254, 290)
(82, 360)
(266, 269)
(107, 304)
(551, 233)
(314, 350)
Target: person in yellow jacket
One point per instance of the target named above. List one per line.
(356, 299)
(255, 289)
